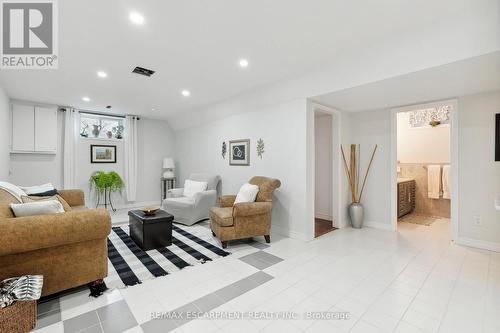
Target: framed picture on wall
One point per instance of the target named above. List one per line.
(239, 152)
(102, 154)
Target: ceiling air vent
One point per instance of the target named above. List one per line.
(143, 71)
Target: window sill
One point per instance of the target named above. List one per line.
(100, 139)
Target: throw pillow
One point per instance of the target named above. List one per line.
(45, 194)
(13, 190)
(31, 190)
(192, 187)
(247, 193)
(37, 208)
(65, 205)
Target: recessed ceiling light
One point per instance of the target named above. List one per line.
(136, 18)
(102, 74)
(86, 99)
(243, 63)
(186, 93)
(153, 109)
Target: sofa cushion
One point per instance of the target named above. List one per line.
(192, 187)
(33, 190)
(13, 190)
(45, 194)
(79, 208)
(37, 208)
(223, 216)
(6, 198)
(63, 202)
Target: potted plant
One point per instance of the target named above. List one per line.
(118, 130)
(104, 184)
(356, 210)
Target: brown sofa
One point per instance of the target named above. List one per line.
(69, 249)
(244, 220)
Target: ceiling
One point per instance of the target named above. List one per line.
(475, 75)
(196, 45)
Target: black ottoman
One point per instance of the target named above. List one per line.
(151, 231)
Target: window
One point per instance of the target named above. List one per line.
(101, 126)
(431, 117)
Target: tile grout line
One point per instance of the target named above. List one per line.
(483, 321)
(392, 281)
(449, 297)
(452, 289)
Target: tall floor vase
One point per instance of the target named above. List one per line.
(356, 214)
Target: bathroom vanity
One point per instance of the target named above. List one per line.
(406, 196)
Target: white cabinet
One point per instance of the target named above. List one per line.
(45, 129)
(23, 128)
(34, 129)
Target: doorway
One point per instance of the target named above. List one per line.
(323, 173)
(424, 165)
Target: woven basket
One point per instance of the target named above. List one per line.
(20, 317)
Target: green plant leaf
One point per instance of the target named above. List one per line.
(101, 181)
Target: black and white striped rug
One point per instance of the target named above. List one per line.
(128, 264)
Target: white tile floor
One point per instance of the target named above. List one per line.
(414, 280)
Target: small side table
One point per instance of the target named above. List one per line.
(167, 184)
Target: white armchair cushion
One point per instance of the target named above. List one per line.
(37, 208)
(175, 193)
(247, 193)
(192, 187)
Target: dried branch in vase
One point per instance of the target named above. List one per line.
(353, 171)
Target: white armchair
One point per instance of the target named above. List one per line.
(187, 210)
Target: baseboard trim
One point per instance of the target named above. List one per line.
(479, 244)
(323, 216)
(137, 204)
(288, 233)
(378, 225)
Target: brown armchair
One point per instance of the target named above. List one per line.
(244, 220)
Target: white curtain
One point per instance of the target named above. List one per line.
(131, 157)
(71, 131)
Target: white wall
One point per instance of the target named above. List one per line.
(4, 135)
(155, 141)
(367, 129)
(282, 127)
(479, 174)
(422, 145)
(323, 166)
(84, 168)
